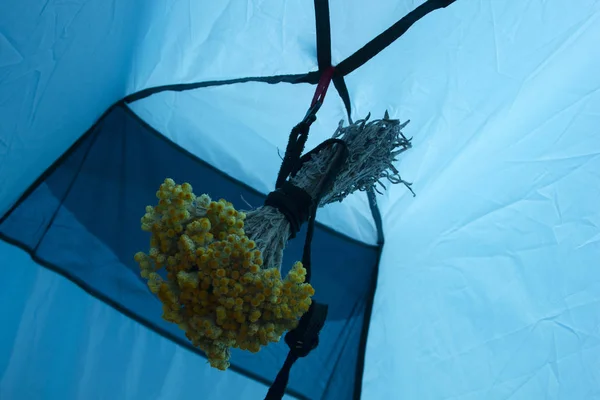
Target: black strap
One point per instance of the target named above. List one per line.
(294, 79)
(301, 342)
(294, 203)
(295, 146)
(297, 209)
(294, 149)
(336, 165)
(340, 85)
(386, 38)
(305, 337)
(323, 34)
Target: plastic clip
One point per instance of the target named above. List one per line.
(311, 115)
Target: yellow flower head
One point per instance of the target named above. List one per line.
(217, 289)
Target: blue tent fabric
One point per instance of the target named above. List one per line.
(488, 282)
(66, 344)
(82, 220)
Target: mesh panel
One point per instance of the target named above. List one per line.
(83, 221)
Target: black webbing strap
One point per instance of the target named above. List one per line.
(340, 85)
(294, 203)
(295, 147)
(301, 341)
(305, 337)
(323, 34)
(386, 38)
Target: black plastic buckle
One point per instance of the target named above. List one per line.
(305, 337)
(311, 115)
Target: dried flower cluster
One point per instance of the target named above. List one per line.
(216, 287)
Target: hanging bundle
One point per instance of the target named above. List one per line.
(221, 268)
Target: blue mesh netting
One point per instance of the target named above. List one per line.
(82, 219)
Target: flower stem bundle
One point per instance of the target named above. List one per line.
(372, 146)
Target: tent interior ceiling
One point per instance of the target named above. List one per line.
(488, 282)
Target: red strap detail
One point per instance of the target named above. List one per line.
(323, 85)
